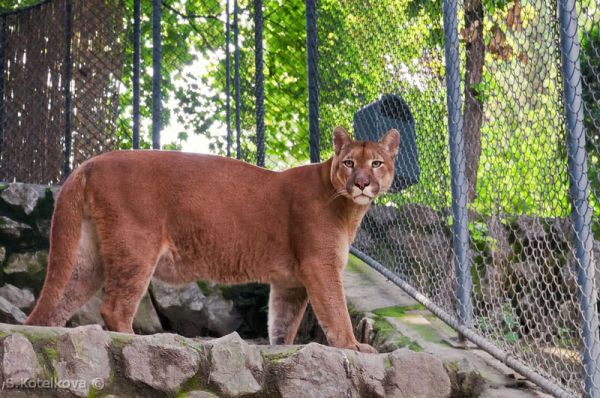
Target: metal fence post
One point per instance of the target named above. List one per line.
(236, 79)
(2, 61)
(156, 73)
(314, 133)
(259, 83)
(457, 164)
(67, 88)
(137, 16)
(228, 79)
(579, 192)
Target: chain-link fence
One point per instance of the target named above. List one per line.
(495, 235)
(60, 65)
(497, 102)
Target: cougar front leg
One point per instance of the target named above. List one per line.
(286, 308)
(326, 295)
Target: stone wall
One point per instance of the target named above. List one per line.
(89, 362)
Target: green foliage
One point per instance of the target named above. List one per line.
(11, 5)
(590, 70)
(366, 50)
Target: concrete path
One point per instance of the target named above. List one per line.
(369, 291)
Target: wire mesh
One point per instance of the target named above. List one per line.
(524, 264)
(33, 104)
(481, 224)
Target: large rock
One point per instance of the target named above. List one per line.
(89, 313)
(200, 394)
(465, 379)
(182, 306)
(501, 250)
(11, 229)
(220, 314)
(21, 298)
(412, 214)
(160, 361)
(146, 320)
(318, 371)
(118, 365)
(19, 361)
(31, 264)
(10, 313)
(530, 229)
(235, 367)
(24, 196)
(84, 356)
(415, 374)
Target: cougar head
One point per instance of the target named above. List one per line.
(361, 170)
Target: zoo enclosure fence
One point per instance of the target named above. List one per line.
(498, 235)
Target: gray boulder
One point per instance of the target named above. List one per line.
(12, 229)
(19, 362)
(43, 227)
(220, 314)
(182, 306)
(89, 314)
(146, 320)
(235, 367)
(31, 264)
(84, 356)
(200, 394)
(21, 298)
(10, 313)
(416, 374)
(24, 196)
(160, 361)
(465, 379)
(317, 371)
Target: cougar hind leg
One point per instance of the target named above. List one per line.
(129, 261)
(86, 279)
(286, 309)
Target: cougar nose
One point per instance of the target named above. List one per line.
(361, 183)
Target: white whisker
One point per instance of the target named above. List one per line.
(337, 195)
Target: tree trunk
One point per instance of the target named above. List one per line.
(473, 109)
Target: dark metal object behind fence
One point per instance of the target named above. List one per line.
(259, 85)
(228, 77)
(68, 65)
(314, 132)
(236, 80)
(137, 38)
(156, 73)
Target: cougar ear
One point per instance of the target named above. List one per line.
(340, 138)
(391, 142)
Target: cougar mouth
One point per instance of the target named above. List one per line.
(362, 199)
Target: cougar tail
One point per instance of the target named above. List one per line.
(65, 232)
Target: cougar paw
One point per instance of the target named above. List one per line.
(365, 348)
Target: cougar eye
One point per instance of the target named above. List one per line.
(348, 163)
(376, 164)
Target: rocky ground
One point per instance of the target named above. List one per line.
(88, 362)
